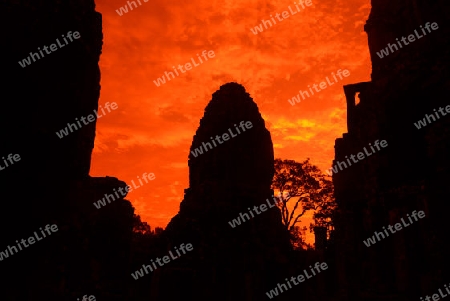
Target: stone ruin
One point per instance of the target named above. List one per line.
(240, 263)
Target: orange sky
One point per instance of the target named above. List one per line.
(152, 129)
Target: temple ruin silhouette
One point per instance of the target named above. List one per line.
(94, 251)
(412, 173)
(228, 262)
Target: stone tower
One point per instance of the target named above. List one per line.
(410, 174)
(51, 182)
(227, 263)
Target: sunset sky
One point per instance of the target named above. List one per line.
(152, 129)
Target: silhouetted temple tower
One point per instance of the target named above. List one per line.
(411, 173)
(227, 262)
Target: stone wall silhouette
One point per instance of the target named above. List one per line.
(51, 183)
(411, 173)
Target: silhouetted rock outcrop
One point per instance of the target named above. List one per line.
(226, 263)
(411, 173)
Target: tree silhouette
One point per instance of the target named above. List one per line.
(297, 236)
(140, 226)
(308, 188)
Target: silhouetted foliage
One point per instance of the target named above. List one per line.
(309, 189)
(158, 231)
(297, 236)
(140, 226)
